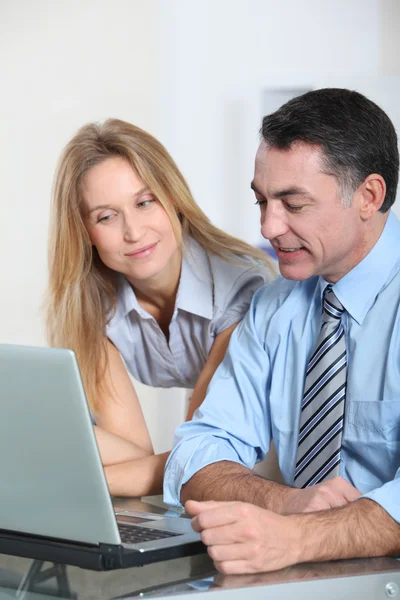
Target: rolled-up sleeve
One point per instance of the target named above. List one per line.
(233, 423)
(388, 496)
(233, 305)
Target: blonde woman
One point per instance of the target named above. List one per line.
(137, 270)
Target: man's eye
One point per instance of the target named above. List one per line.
(260, 202)
(293, 208)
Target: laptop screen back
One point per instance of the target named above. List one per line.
(52, 480)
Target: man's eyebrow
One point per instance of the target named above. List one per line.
(253, 187)
(291, 191)
(102, 206)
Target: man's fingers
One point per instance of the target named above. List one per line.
(342, 487)
(332, 493)
(194, 506)
(343, 492)
(233, 533)
(214, 514)
(234, 567)
(352, 494)
(231, 551)
(211, 519)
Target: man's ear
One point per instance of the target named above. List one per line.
(372, 195)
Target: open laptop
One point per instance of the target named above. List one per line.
(54, 500)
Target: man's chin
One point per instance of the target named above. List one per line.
(295, 273)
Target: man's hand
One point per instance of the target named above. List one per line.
(328, 494)
(243, 538)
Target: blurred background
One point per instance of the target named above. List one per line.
(197, 74)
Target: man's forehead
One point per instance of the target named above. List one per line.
(298, 160)
(297, 148)
(299, 170)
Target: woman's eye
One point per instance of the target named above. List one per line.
(146, 203)
(105, 218)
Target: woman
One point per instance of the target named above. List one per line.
(137, 269)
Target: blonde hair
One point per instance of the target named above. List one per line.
(82, 290)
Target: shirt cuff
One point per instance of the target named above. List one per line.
(388, 497)
(188, 458)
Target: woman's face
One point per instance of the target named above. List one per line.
(127, 224)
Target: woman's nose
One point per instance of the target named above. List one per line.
(133, 229)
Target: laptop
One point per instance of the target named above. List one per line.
(54, 500)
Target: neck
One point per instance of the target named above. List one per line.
(372, 233)
(159, 292)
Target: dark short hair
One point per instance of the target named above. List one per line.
(357, 137)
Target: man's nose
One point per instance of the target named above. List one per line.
(273, 222)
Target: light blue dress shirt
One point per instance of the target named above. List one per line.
(213, 294)
(255, 395)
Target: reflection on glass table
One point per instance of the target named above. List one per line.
(41, 578)
(308, 572)
(368, 579)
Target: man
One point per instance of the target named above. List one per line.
(315, 364)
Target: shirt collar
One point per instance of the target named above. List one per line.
(358, 289)
(196, 289)
(195, 292)
(127, 301)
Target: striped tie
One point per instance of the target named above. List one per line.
(322, 411)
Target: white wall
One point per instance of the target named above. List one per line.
(191, 72)
(390, 39)
(217, 58)
(62, 64)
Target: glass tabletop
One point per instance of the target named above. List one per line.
(28, 579)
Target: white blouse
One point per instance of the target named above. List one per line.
(212, 295)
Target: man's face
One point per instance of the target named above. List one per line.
(303, 216)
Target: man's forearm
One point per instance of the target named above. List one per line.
(360, 529)
(230, 481)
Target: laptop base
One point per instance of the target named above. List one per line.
(103, 557)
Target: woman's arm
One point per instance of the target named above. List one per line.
(214, 359)
(121, 430)
(144, 476)
(116, 449)
(139, 477)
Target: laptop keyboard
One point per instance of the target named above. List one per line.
(136, 534)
